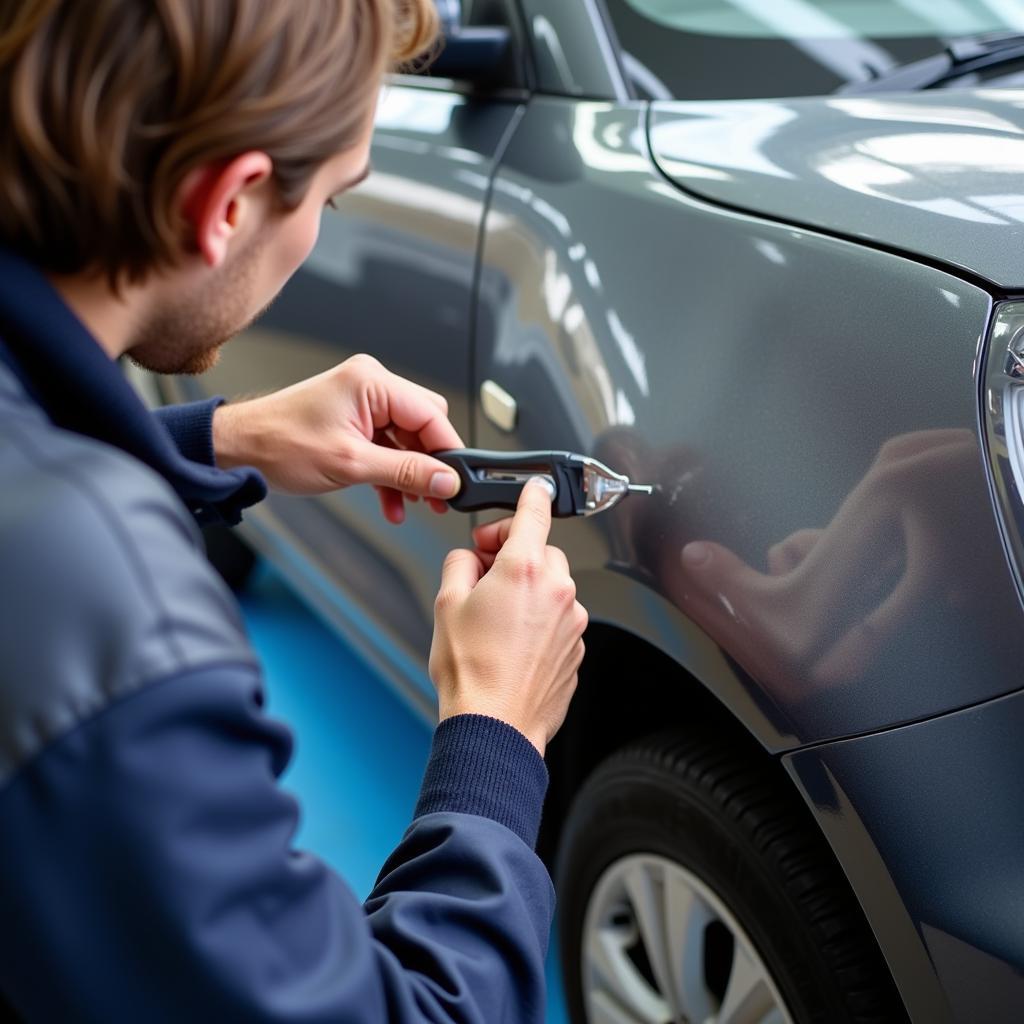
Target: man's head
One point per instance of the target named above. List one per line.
(179, 153)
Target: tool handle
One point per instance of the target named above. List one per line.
(496, 479)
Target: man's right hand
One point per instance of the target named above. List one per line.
(507, 626)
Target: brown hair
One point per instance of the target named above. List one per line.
(106, 106)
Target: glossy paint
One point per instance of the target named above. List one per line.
(806, 407)
(937, 174)
(926, 823)
(822, 553)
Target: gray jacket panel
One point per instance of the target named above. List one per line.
(105, 586)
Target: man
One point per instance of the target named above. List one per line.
(163, 166)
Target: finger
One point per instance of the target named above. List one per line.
(708, 572)
(405, 471)
(392, 505)
(579, 652)
(432, 396)
(406, 405)
(388, 508)
(383, 438)
(492, 536)
(403, 439)
(582, 617)
(460, 573)
(411, 442)
(392, 502)
(789, 553)
(851, 656)
(557, 561)
(907, 445)
(531, 524)
(408, 440)
(871, 519)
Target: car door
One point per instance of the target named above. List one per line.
(392, 274)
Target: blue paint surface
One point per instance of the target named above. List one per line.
(359, 750)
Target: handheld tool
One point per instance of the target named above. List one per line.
(582, 485)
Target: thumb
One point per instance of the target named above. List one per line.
(712, 566)
(408, 472)
(528, 531)
(711, 571)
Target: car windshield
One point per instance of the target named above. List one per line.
(737, 49)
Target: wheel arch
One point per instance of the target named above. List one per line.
(630, 689)
(652, 637)
(648, 667)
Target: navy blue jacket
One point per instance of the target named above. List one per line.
(147, 871)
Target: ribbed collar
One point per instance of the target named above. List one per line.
(65, 370)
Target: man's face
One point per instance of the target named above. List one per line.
(206, 307)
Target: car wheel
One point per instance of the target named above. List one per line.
(693, 888)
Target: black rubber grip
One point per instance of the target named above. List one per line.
(478, 493)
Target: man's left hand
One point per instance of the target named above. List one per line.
(355, 424)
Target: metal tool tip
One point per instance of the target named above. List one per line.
(641, 488)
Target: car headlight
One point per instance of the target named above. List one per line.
(1003, 423)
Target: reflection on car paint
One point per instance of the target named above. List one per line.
(839, 549)
(902, 168)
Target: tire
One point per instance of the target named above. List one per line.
(233, 559)
(696, 852)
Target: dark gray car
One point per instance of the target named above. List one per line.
(791, 787)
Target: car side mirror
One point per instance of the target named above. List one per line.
(477, 54)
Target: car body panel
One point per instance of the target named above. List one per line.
(791, 393)
(734, 363)
(937, 174)
(926, 823)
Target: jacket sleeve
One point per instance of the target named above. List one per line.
(150, 876)
(191, 428)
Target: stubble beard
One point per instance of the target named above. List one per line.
(186, 335)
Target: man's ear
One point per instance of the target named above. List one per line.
(216, 201)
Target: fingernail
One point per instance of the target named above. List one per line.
(697, 554)
(545, 483)
(444, 485)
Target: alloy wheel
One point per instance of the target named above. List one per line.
(660, 947)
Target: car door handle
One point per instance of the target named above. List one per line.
(498, 406)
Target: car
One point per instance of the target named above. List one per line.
(768, 258)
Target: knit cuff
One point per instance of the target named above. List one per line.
(479, 765)
(191, 428)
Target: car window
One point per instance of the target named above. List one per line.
(745, 49)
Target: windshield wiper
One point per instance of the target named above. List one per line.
(960, 57)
